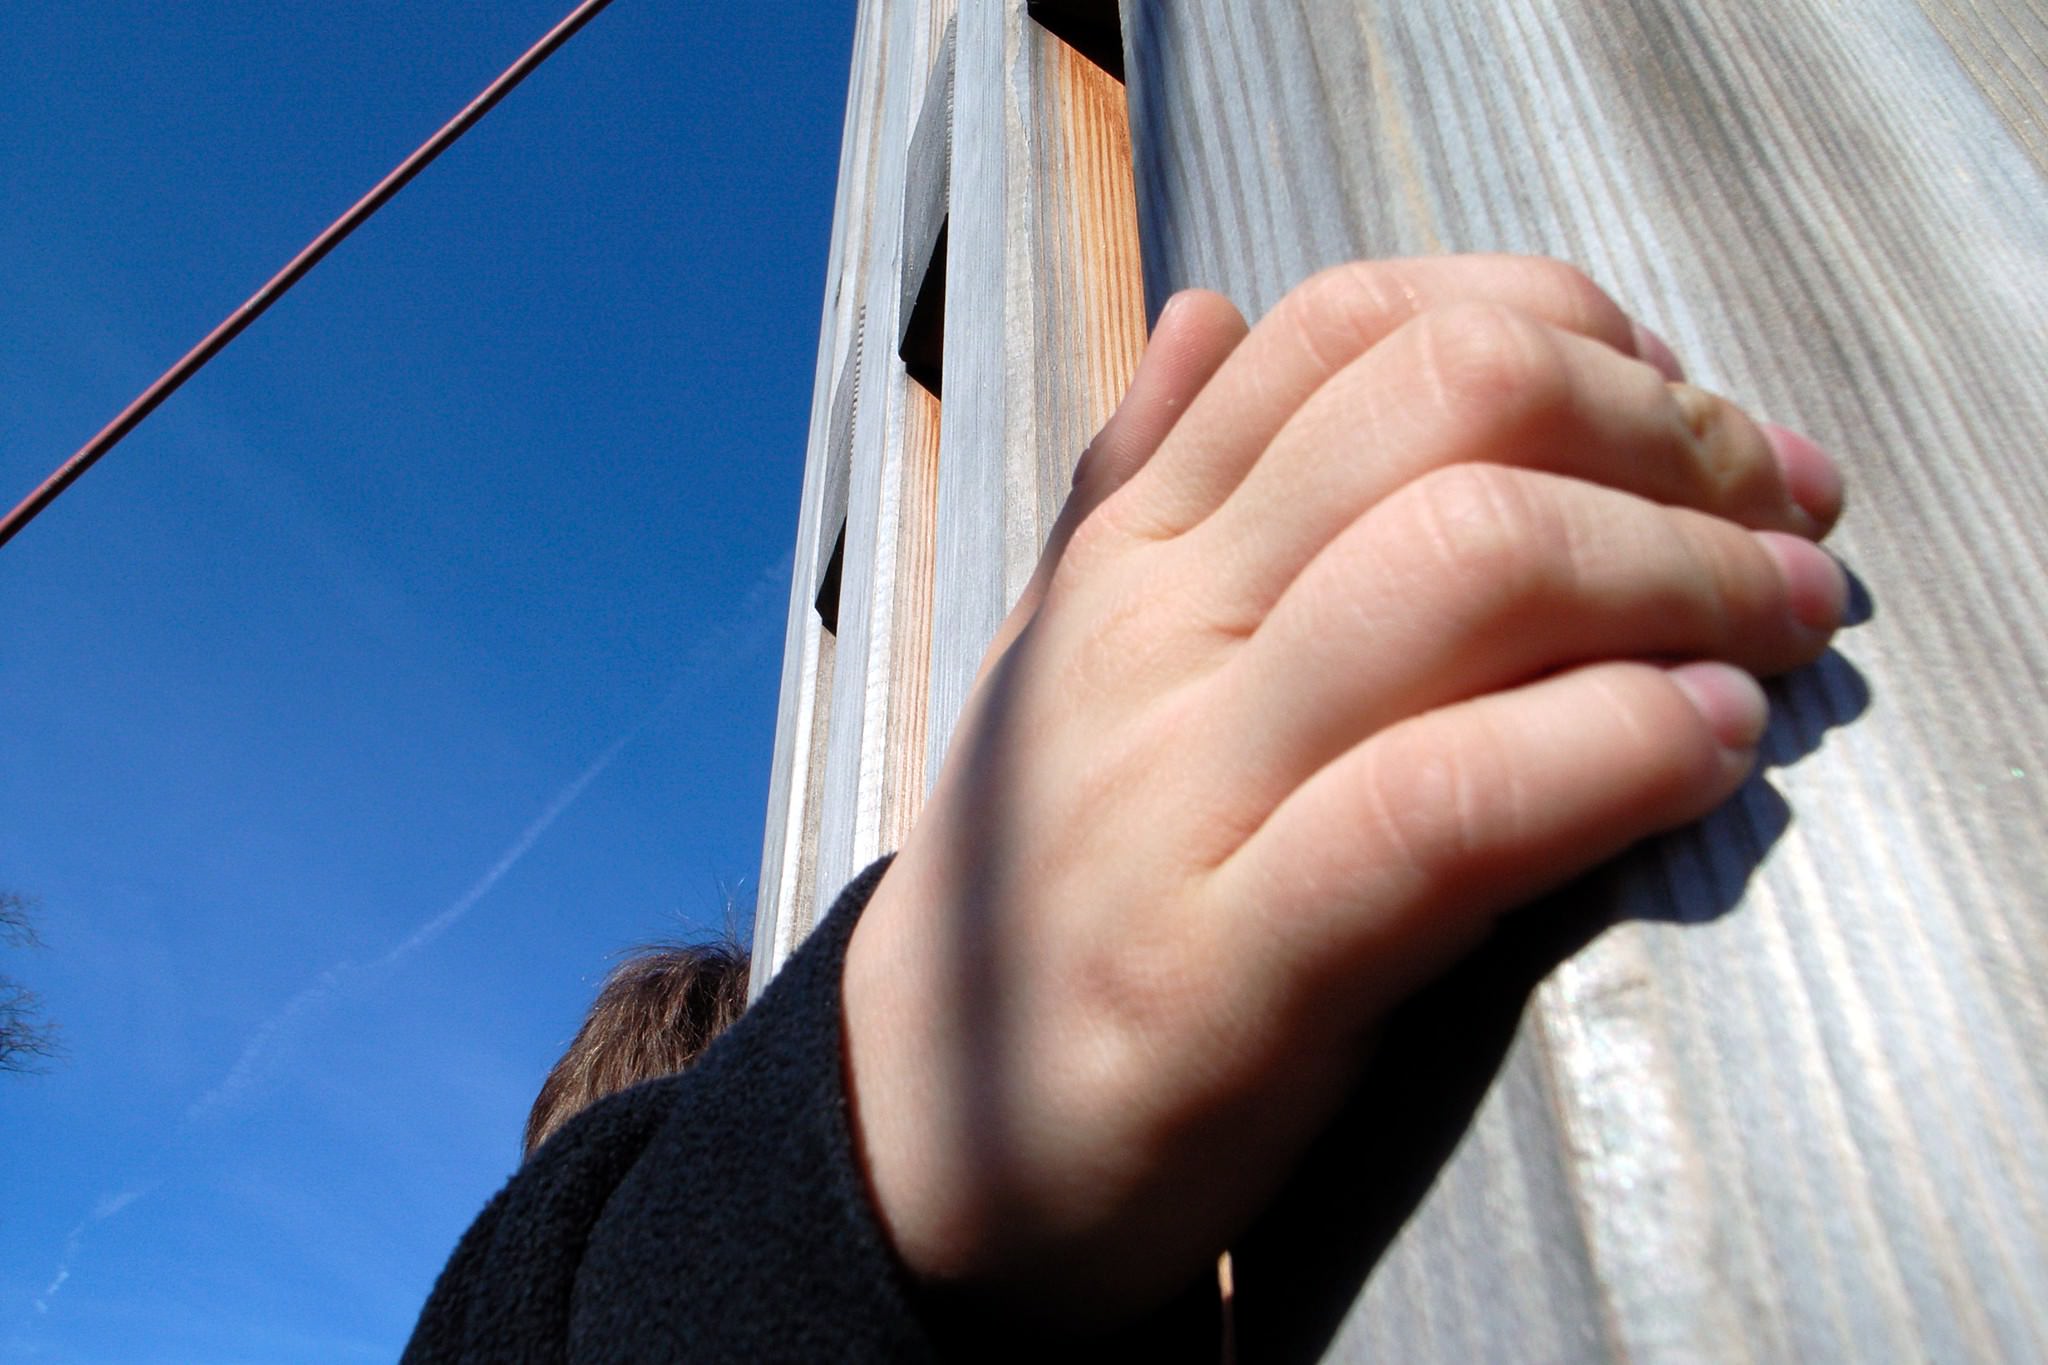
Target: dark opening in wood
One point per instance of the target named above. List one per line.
(924, 331)
(1094, 28)
(927, 198)
(832, 499)
(828, 584)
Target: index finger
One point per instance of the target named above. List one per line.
(1321, 328)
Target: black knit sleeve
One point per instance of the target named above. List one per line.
(722, 1216)
(715, 1216)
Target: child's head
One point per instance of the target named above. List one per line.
(655, 1014)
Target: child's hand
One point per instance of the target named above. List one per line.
(1435, 597)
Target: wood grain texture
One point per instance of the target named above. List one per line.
(830, 797)
(910, 667)
(838, 461)
(789, 845)
(1091, 295)
(1780, 1090)
(2003, 44)
(1044, 318)
(944, 505)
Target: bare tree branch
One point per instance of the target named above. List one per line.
(27, 1040)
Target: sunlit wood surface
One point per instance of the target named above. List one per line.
(945, 503)
(1772, 1090)
(1790, 1106)
(851, 717)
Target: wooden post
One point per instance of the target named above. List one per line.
(1773, 1089)
(851, 711)
(1045, 316)
(948, 497)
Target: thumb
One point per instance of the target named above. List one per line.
(1196, 333)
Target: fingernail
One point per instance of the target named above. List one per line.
(1811, 476)
(1732, 703)
(1653, 350)
(1816, 588)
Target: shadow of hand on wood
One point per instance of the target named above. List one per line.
(1309, 1257)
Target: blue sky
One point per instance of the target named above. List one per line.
(414, 659)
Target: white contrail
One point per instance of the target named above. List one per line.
(746, 631)
(258, 1053)
(263, 1042)
(716, 649)
(109, 1205)
(752, 627)
(528, 837)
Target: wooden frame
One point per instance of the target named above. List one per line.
(1775, 1088)
(1778, 1089)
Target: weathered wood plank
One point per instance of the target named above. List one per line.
(1780, 1091)
(831, 796)
(1091, 290)
(884, 488)
(786, 890)
(2003, 44)
(910, 665)
(838, 478)
(1044, 318)
(937, 546)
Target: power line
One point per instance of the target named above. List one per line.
(216, 341)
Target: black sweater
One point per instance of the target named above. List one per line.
(721, 1215)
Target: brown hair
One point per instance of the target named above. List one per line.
(656, 1012)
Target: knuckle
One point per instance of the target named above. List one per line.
(1146, 992)
(1337, 314)
(1730, 461)
(1671, 749)
(1092, 543)
(1483, 533)
(1574, 295)
(1699, 412)
(1103, 536)
(1432, 802)
(1564, 293)
(1491, 363)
